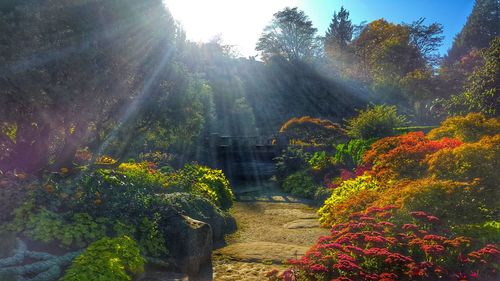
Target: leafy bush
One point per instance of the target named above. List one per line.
(330, 211)
(351, 153)
(110, 259)
(320, 161)
(469, 161)
(484, 233)
(142, 175)
(454, 202)
(311, 131)
(109, 193)
(301, 184)
(375, 122)
(204, 181)
(469, 128)
(43, 225)
(374, 245)
(292, 159)
(403, 156)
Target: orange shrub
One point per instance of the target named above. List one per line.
(404, 156)
(312, 131)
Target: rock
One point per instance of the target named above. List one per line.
(262, 252)
(202, 209)
(189, 242)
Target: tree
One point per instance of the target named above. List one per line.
(68, 75)
(481, 89)
(482, 25)
(290, 35)
(340, 31)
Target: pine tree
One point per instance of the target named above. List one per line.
(482, 25)
(340, 31)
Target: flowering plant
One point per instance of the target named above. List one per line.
(376, 245)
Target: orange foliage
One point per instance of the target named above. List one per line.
(313, 131)
(404, 156)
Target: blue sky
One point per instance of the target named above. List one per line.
(240, 22)
(452, 14)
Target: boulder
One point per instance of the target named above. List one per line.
(189, 242)
(202, 209)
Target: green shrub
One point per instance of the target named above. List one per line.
(351, 153)
(485, 233)
(375, 122)
(47, 226)
(469, 128)
(204, 181)
(150, 238)
(292, 159)
(320, 161)
(142, 175)
(109, 259)
(301, 184)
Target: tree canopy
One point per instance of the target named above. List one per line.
(290, 35)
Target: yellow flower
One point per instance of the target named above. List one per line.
(64, 170)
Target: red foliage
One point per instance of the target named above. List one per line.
(403, 156)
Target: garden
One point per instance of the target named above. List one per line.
(401, 206)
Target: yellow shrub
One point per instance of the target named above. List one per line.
(470, 128)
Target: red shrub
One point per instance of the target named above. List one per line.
(403, 156)
(372, 246)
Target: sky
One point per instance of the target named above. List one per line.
(240, 22)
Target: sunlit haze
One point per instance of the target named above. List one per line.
(238, 22)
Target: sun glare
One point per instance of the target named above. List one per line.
(239, 22)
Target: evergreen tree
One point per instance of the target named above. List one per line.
(483, 24)
(340, 31)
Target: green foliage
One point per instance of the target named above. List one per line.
(488, 232)
(480, 28)
(290, 35)
(110, 259)
(150, 238)
(142, 175)
(204, 181)
(47, 226)
(292, 159)
(348, 188)
(408, 129)
(351, 153)
(481, 89)
(301, 184)
(375, 122)
(320, 160)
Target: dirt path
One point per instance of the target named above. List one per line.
(272, 227)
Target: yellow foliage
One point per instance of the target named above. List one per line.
(469, 128)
